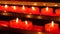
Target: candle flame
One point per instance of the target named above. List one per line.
(6, 6)
(52, 23)
(33, 8)
(26, 22)
(23, 7)
(14, 7)
(46, 8)
(16, 20)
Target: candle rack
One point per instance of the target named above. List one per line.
(12, 15)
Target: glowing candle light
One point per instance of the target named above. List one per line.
(6, 6)
(34, 10)
(23, 7)
(47, 11)
(14, 7)
(51, 27)
(46, 8)
(16, 23)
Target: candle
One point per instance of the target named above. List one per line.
(1, 8)
(57, 12)
(15, 23)
(34, 10)
(13, 9)
(51, 27)
(24, 10)
(47, 11)
(37, 28)
(27, 25)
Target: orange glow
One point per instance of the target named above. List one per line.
(52, 23)
(6, 6)
(33, 8)
(14, 7)
(16, 20)
(26, 22)
(35, 4)
(46, 8)
(4, 11)
(23, 7)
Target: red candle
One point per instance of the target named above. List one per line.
(4, 23)
(15, 23)
(24, 10)
(37, 28)
(51, 27)
(57, 12)
(47, 11)
(13, 9)
(27, 25)
(1, 8)
(34, 10)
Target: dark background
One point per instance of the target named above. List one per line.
(35, 0)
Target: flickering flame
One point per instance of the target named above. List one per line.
(14, 7)
(52, 23)
(26, 22)
(46, 8)
(33, 8)
(23, 7)
(16, 20)
(6, 6)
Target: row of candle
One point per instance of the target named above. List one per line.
(27, 25)
(32, 10)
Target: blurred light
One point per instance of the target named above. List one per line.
(46, 8)
(5, 11)
(5, 14)
(23, 7)
(28, 16)
(35, 4)
(40, 33)
(55, 5)
(16, 20)
(33, 8)
(39, 17)
(14, 7)
(26, 22)
(44, 4)
(5, 25)
(52, 23)
(6, 6)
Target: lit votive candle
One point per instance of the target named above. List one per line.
(34, 10)
(57, 12)
(51, 27)
(24, 9)
(47, 11)
(16, 23)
